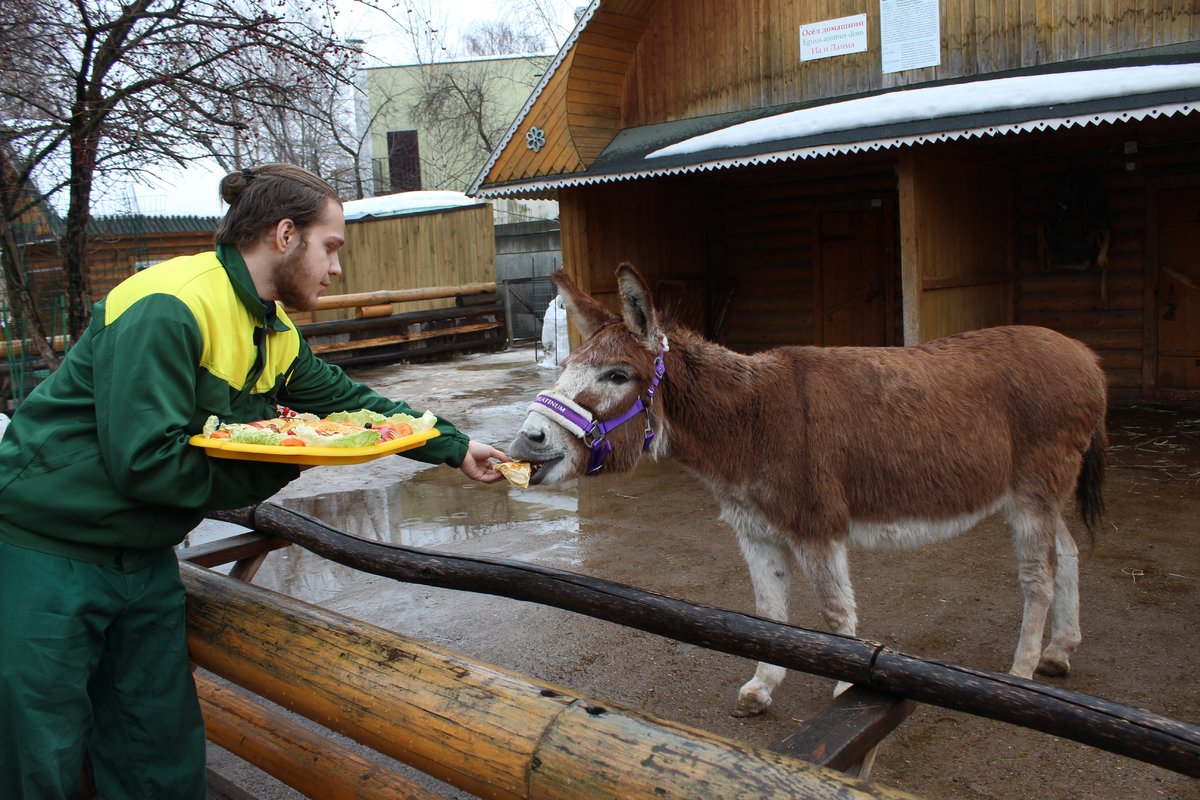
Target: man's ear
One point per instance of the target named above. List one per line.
(285, 235)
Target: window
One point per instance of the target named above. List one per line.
(404, 161)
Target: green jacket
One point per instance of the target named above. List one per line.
(97, 459)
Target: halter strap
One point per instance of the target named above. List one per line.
(579, 421)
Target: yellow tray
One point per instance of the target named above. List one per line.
(310, 456)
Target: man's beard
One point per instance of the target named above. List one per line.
(289, 277)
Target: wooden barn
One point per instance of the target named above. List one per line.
(118, 246)
(884, 173)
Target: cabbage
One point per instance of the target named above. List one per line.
(210, 425)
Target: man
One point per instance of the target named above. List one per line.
(98, 483)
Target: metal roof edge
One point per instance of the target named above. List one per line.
(551, 184)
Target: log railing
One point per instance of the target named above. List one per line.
(1137, 734)
(481, 728)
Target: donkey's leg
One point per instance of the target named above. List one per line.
(770, 573)
(828, 570)
(1064, 613)
(1034, 532)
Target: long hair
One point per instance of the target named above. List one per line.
(259, 198)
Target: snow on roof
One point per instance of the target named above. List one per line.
(393, 205)
(935, 102)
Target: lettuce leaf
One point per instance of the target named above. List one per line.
(364, 438)
(363, 416)
(244, 434)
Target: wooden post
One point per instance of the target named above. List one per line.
(486, 730)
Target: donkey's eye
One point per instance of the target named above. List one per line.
(616, 376)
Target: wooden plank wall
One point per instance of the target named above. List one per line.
(657, 226)
(549, 115)
(711, 56)
(749, 236)
(413, 251)
(111, 259)
(957, 222)
(767, 243)
(1105, 309)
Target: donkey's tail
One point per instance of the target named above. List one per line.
(1089, 489)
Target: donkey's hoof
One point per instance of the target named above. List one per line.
(1054, 664)
(751, 705)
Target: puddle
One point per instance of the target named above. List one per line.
(434, 508)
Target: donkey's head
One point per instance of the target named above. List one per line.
(601, 412)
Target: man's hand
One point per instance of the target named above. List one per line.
(477, 465)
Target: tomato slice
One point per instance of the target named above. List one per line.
(292, 441)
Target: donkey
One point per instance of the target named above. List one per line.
(808, 449)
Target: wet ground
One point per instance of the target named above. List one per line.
(657, 529)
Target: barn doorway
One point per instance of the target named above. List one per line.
(1177, 310)
(855, 279)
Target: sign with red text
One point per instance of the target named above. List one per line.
(833, 37)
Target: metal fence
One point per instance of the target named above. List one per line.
(20, 366)
(525, 304)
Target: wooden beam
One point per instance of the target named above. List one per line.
(401, 295)
(486, 730)
(401, 338)
(17, 347)
(312, 764)
(847, 729)
(232, 548)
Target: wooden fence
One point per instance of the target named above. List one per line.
(499, 734)
(379, 332)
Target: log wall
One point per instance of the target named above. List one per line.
(749, 238)
(1106, 309)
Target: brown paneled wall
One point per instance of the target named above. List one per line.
(722, 56)
(744, 244)
(1103, 307)
(658, 226)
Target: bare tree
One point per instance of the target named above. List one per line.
(500, 37)
(90, 89)
(462, 101)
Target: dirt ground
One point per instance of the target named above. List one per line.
(657, 529)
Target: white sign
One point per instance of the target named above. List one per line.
(833, 37)
(910, 34)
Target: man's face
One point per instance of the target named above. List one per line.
(311, 262)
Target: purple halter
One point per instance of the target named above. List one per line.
(579, 421)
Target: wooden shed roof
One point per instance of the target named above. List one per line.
(594, 150)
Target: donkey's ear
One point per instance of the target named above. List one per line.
(637, 305)
(588, 314)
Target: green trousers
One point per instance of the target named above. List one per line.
(94, 659)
